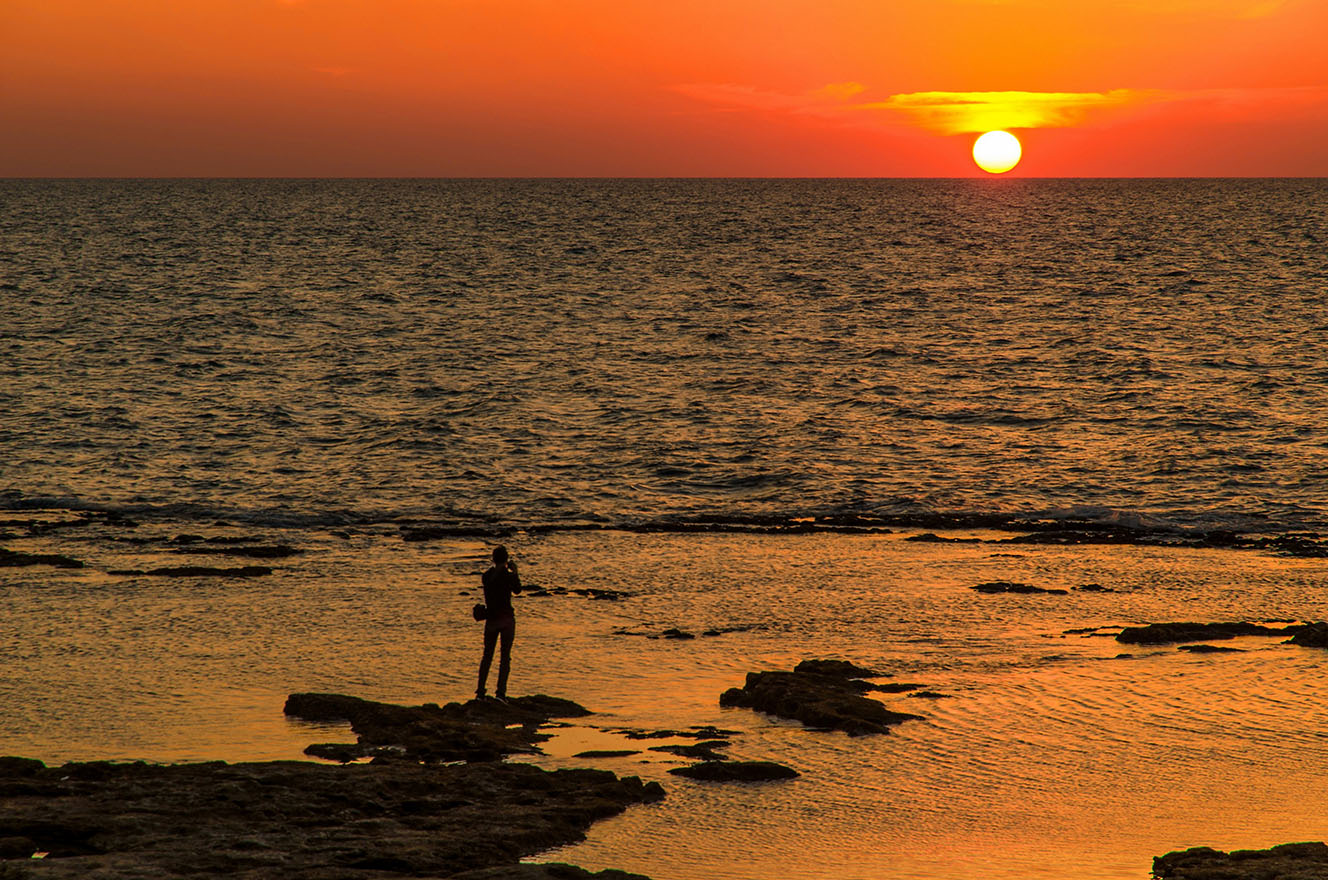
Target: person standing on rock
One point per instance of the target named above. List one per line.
(500, 583)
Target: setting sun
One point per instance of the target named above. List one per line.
(997, 151)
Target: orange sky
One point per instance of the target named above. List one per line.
(662, 88)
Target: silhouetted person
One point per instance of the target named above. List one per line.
(500, 582)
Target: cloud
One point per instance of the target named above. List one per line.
(961, 112)
(953, 113)
(1240, 9)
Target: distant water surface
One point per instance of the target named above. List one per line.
(604, 351)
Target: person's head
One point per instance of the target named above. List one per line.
(500, 556)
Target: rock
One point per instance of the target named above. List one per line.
(835, 668)
(545, 871)
(932, 538)
(701, 751)
(1171, 633)
(676, 633)
(1290, 861)
(245, 571)
(736, 771)
(304, 820)
(1013, 587)
(930, 695)
(15, 559)
(262, 551)
(1311, 635)
(1094, 588)
(1085, 534)
(17, 847)
(432, 533)
(480, 730)
(11, 766)
(606, 753)
(1209, 649)
(822, 700)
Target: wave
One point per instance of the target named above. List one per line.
(1076, 523)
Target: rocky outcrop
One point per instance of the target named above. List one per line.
(1014, 587)
(1173, 633)
(17, 559)
(479, 730)
(301, 820)
(258, 551)
(1290, 861)
(819, 693)
(736, 771)
(1311, 635)
(244, 571)
(549, 871)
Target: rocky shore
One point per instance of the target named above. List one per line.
(826, 694)
(405, 813)
(1290, 861)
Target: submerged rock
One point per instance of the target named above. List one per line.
(1209, 649)
(17, 559)
(736, 771)
(1172, 633)
(261, 551)
(546, 871)
(820, 694)
(244, 571)
(1290, 861)
(1014, 587)
(701, 751)
(301, 819)
(479, 730)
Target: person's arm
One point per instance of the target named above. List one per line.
(516, 578)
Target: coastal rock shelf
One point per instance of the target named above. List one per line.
(1313, 635)
(479, 730)
(1290, 861)
(825, 694)
(293, 819)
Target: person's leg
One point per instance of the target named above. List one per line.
(490, 639)
(505, 659)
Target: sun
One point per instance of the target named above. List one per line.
(997, 151)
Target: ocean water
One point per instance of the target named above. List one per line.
(585, 370)
(528, 352)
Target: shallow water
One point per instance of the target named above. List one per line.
(1049, 756)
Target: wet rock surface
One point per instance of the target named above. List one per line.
(992, 587)
(17, 559)
(820, 694)
(478, 730)
(1290, 861)
(550, 871)
(1173, 633)
(1311, 635)
(301, 820)
(243, 571)
(736, 771)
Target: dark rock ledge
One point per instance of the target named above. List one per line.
(825, 694)
(405, 813)
(1290, 861)
(1174, 633)
(479, 730)
(301, 820)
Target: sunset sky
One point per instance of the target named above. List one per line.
(458, 88)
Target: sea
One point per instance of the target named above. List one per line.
(806, 417)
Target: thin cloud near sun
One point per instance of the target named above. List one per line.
(953, 113)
